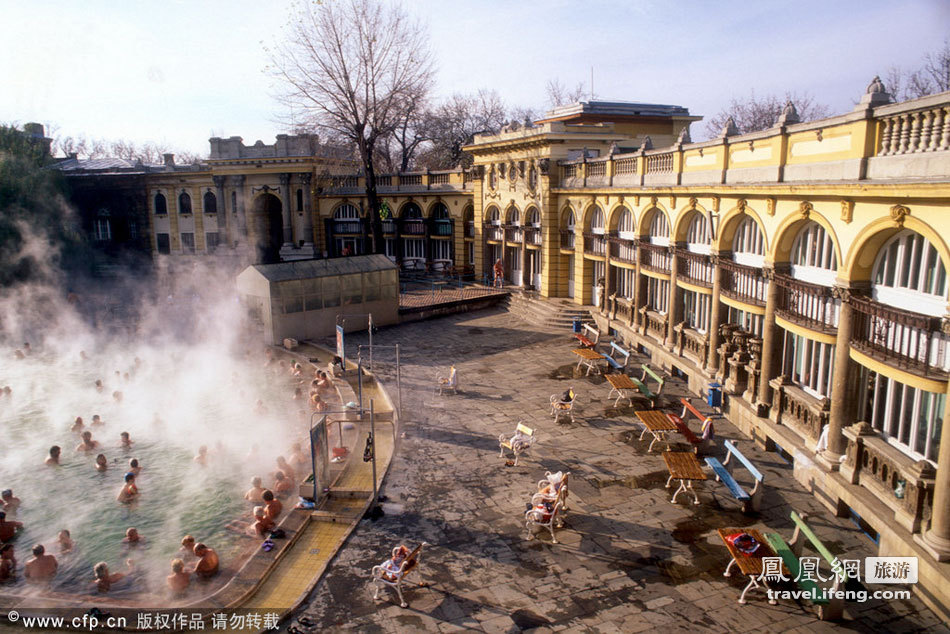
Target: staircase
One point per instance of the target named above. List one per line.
(557, 314)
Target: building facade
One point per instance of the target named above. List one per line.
(803, 267)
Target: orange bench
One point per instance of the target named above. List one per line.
(586, 341)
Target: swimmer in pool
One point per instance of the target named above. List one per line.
(124, 440)
(101, 463)
(132, 538)
(187, 546)
(297, 457)
(104, 579)
(202, 457)
(8, 528)
(18, 354)
(178, 580)
(40, 568)
(129, 492)
(286, 468)
(66, 542)
(78, 425)
(298, 394)
(272, 506)
(262, 523)
(87, 444)
(7, 391)
(53, 459)
(99, 386)
(134, 466)
(10, 502)
(254, 493)
(7, 564)
(207, 564)
(117, 396)
(97, 421)
(282, 485)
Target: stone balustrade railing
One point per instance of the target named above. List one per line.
(799, 411)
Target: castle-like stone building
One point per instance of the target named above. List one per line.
(803, 267)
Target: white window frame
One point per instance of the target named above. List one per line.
(698, 235)
(748, 245)
(896, 412)
(696, 310)
(597, 221)
(809, 363)
(626, 228)
(625, 282)
(413, 249)
(103, 230)
(658, 295)
(442, 250)
(909, 253)
(659, 229)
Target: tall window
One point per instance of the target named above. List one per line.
(346, 212)
(163, 243)
(813, 256)
(910, 418)
(210, 203)
(184, 203)
(597, 221)
(909, 273)
(233, 202)
(750, 322)
(696, 310)
(212, 239)
(470, 248)
(533, 217)
(414, 249)
(659, 228)
(440, 212)
(161, 207)
(514, 218)
(748, 247)
(658, 294)
(188, 242)
(299, 200)
(494, 216)
(103, 230)
(810, 364)
(441, 250)
(698, 236)
(625, 227)
(411, 211)
(624, 282)
(570, 221)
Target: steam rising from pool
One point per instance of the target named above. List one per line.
(197, 381)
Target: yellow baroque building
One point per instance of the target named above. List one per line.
(803, 267)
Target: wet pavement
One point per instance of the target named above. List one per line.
(628, 560)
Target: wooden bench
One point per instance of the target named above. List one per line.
(791, 553)
(518, 444)
(586, 341)
(614, 363)
(708, 431)
(751, 501)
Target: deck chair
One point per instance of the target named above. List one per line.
(389, 574)
(563, 407)
(450, 382)
(543, 513)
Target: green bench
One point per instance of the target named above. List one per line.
(644, 389)
(791, 554)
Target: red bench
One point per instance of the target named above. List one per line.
(708, 431)
(682, 428)
(586, 341)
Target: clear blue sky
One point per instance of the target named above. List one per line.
(178, 71)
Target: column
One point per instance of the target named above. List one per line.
(609, 286)
(239, 232)
(716, 310)
(937, 540)
(639, 290)
(673, 314)
(307, 236)
(286, 200)
(843, 392)
(224, 223)
(770, 340)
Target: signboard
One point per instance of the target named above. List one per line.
(340, 352)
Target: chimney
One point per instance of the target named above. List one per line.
(169, 160)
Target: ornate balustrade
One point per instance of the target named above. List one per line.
(660, 163)
(654, 324)
(692, 344)
(389, 226)
(810, 305)
(694, 267)
(926, 130)
(623, 309)
(494, 232)
(567, 238)
(532, 235)
(902, 338)
(622, 250)
(798, 410)
(514, 233)
(903, 484)
(595, 244)
(442, 227)
(412, 228)
(655, 257)
(744, 283)
(347, 226)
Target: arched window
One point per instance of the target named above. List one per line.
(346, 212)
(570, 221)
(161, 207)
(513, 218)
(597, 221)
(534, 217)
(910, 272)
(494, 216)
(625, 227)
(813, 256)
(440, 212)
(184, 203)
(411, 211)
(698, 236)
(748, 247)
(210, 203)
(659, 228)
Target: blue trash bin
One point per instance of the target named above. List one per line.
(577, 326)
(714, 395)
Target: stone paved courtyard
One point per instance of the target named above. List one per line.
(628, 561)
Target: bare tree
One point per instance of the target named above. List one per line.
(560, 95)
(932, 77)
(760, 113)
(352, 67)
(455, 121)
